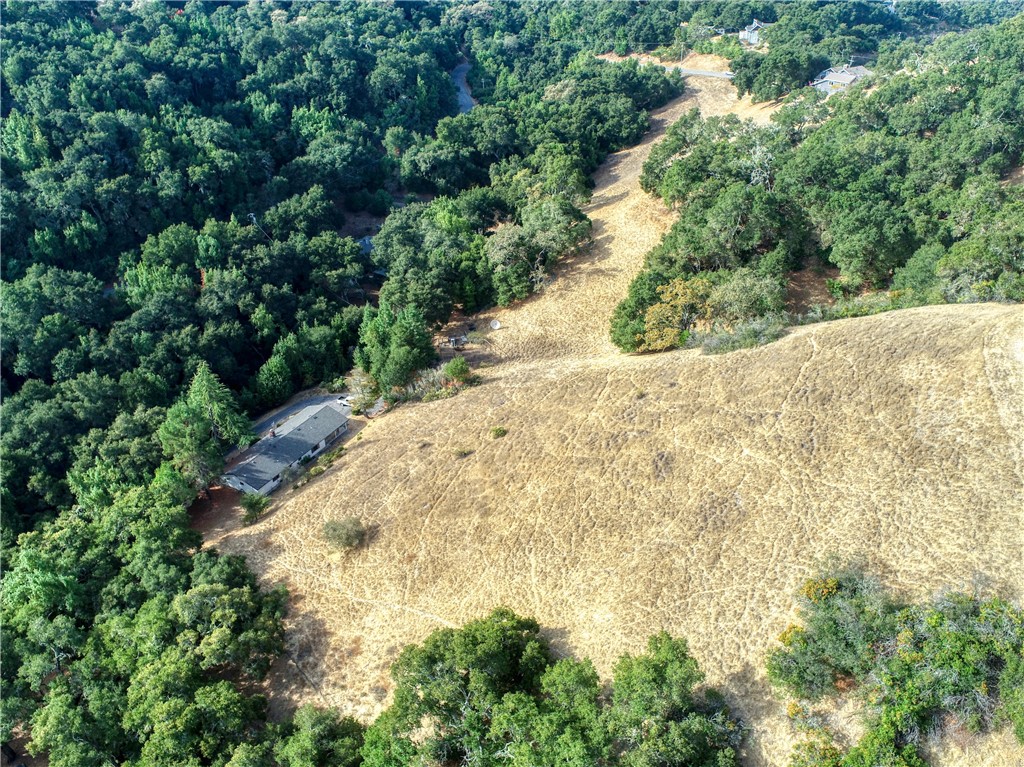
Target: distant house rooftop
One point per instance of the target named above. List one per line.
(751, 34)
(839, 78)
(305, 434)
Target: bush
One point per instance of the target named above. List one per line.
(858, 306)
(1011, 688)
(747, 335)
(819, 752)
(845, 615)
(345, 533)
(253, 505)
(457, 369)
(380, 203)
(425, 385)
(440, 394)
(746, 296)
(955, 661)
(498, 432)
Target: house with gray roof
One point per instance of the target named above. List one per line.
(839, 78)
(303, 436)
(751, 34)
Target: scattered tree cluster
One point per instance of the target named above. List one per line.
(920, 669)
(490, 693)
(901, 188)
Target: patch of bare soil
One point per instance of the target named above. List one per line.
(807, 287)
(216, 513)
(19, 742)
(361, 224)
(678, 492)
(1015, 177)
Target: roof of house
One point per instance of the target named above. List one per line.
(844, 75)
(271, 455)
(755, 26)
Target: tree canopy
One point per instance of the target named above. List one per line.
(900, 187)
(176, 256)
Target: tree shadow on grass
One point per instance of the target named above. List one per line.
(752, 699)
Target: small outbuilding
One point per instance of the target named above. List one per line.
(260, 468)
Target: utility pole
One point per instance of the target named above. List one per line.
(252, 217)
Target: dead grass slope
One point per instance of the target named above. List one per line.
(677, 492)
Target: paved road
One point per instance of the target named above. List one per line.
(701, 73)
(459, 78)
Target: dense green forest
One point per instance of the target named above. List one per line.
(176, 185)
(899, 185)
(176, 181)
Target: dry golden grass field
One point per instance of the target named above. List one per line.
(678, 491)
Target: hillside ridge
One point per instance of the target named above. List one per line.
(680, 492)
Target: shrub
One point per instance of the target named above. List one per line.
(1011, 688)
(253, 505)
(498, 432)
(327, 459)
(457, 369)
(425, 386)
(345, 533)
(858, 306)
(845, 614)
(434, 383)
(746, 296)
(439, 394)
(819, 752)
(747, 335)
(380, 203)
(956, 661)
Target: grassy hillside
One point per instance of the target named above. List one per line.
(678, 492)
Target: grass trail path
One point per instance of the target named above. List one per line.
(570, 318)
